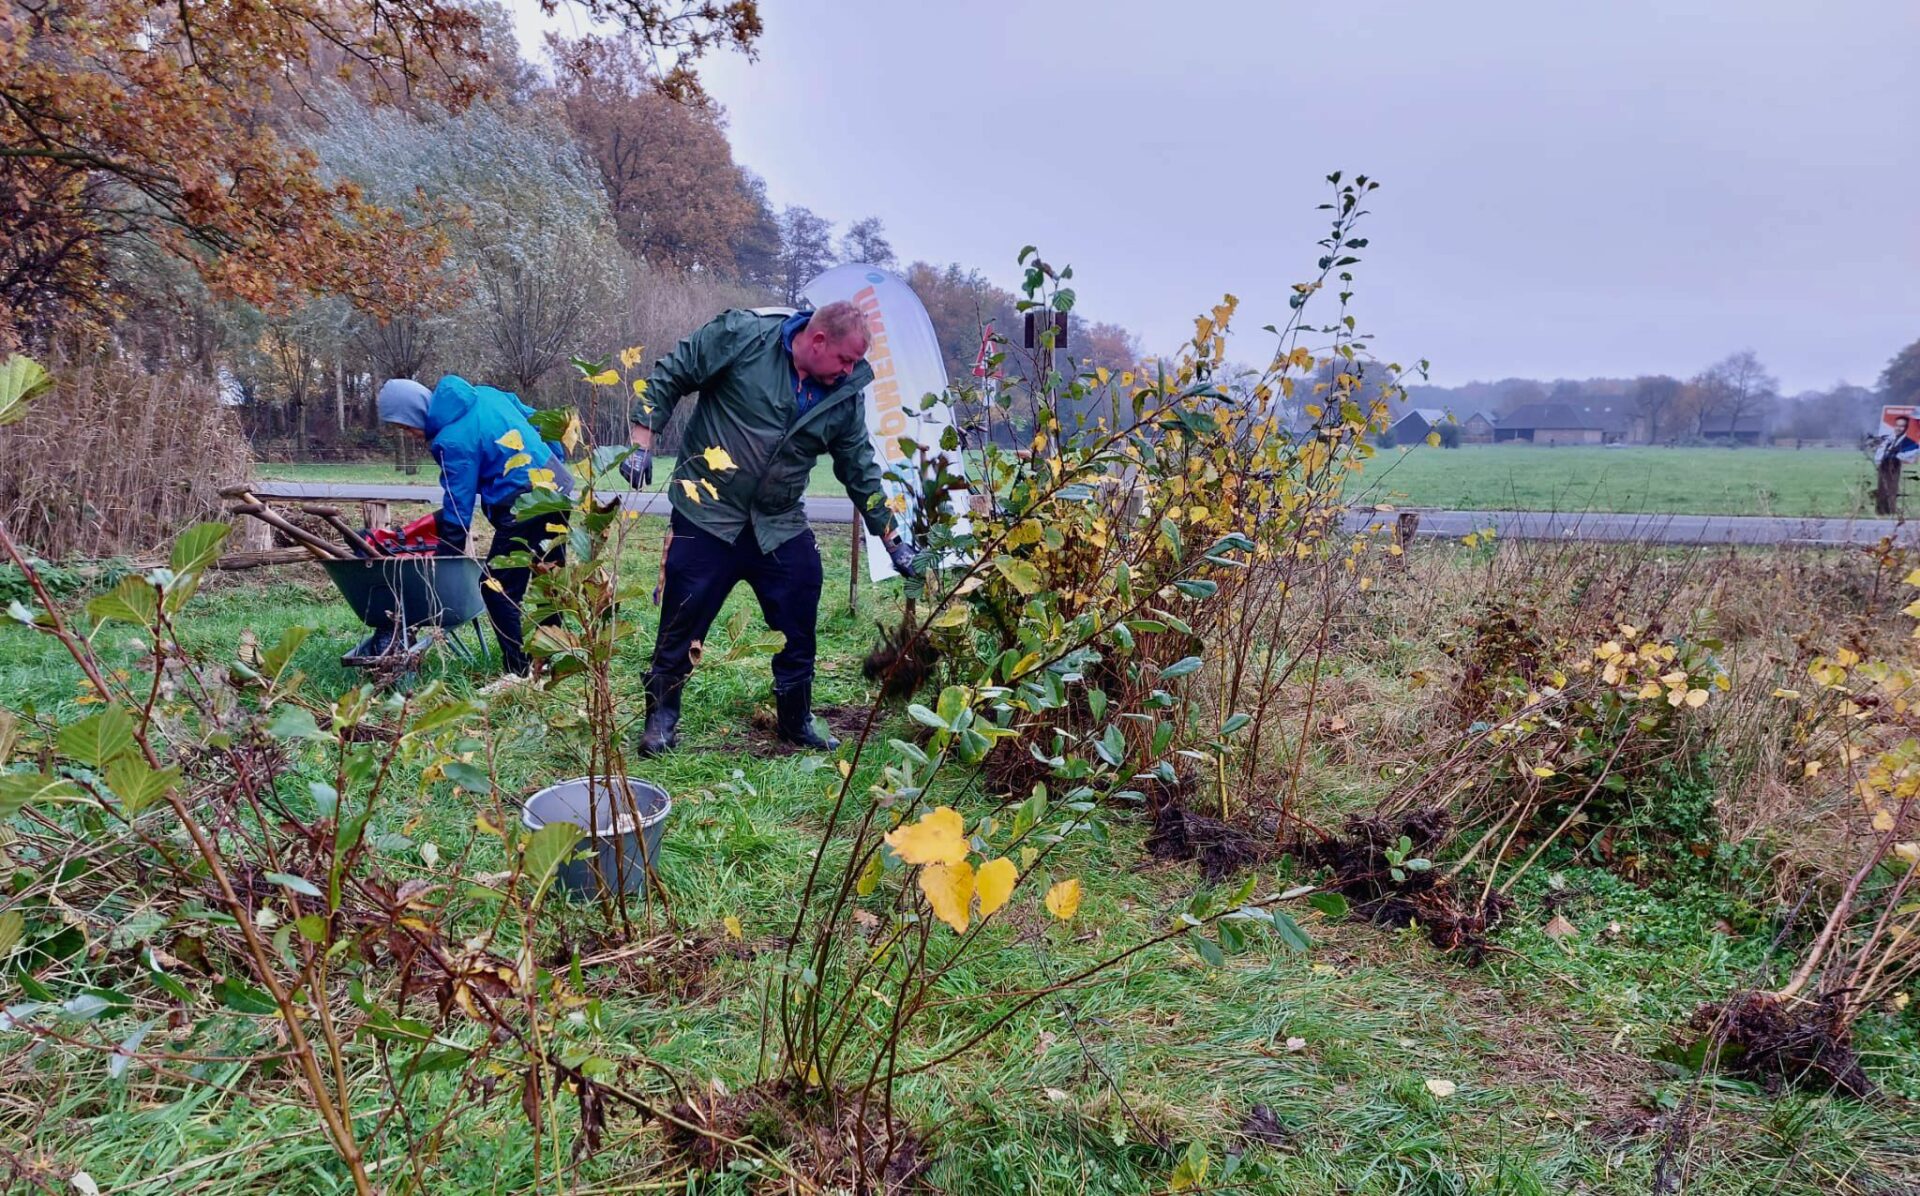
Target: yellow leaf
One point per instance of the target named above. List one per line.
(949, 890)
(604, 378)
(717, 459)
(1063, 899)
(630, 357)
(512, 440)
(938, 838)
(1102, 374)
(1442, 1088)
(995, 883)
(1650, 690)
(1433, 440)
(516, 461)
(734, 929)
(493, 583)
(540, 479)
(693, 491)
(640, 388)
(1696, 698)
(1541, 770)
(558, 529)
(1882, 820)
(709, 488)
(1813, 768)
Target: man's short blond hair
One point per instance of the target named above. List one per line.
(841, 319)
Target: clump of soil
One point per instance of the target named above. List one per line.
(1264, 1126)
(825, 1140)
(901, 663)
(1776, 1042)
(1454, 920)
(1178, 833)
(843, 723)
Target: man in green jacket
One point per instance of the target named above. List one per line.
(776, 391)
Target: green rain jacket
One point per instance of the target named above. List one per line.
(748, 407)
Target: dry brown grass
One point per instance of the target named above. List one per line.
(115, 460)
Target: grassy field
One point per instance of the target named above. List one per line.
(1547, 1043)
(1698, 481)
(1702, 481)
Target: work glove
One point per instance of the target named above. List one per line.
(638, 468)
(901, 552)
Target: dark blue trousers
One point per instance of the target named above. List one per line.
(702, 570)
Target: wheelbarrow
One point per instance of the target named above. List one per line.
(396, 596)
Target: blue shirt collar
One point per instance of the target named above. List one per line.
(806, 392)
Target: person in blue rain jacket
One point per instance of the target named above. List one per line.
(472, 432)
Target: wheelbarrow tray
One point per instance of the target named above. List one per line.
(422, 591)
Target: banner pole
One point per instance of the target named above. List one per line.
(853, 569)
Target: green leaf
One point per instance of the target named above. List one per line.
(274, 661)
(295, 722)
(21, 380)
(1097, 703)
(1020, 574)
(1204, 947)
(470, 777)
(1197, 587)
(1171, 532)
(870, 876)
(1112, 745)
(21, 789)
(547, 848)
(165, 983)
(1234, 723)
(927, 717)
(138, 784)
(298, 884)
(1290, 933)
(1332, 904)
(198, 547)
(98, 740)
(1180, 668)
(237, 994)
(134, 601)
(952, 706)
(123, 1054)
(13, 926)
(312, 927)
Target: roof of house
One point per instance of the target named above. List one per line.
(1481, 415)
(1598, 416)
(1432, 415)
(1717, 424)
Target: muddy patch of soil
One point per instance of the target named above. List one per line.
(1219, 848)
(1775, 1042)
(826, 1141)
(1455, 919)
(763, 738)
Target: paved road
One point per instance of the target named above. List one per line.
(1512, 525)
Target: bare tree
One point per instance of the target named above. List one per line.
(1735, 388)
(1656, 398)
(806, 249)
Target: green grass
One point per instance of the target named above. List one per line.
(383, 472)
(1098, 1089)
(1702, 481)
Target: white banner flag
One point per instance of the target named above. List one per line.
(907, 364)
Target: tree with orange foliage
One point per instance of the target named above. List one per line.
(122, 118)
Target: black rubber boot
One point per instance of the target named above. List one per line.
(795, 707)
(662, 732)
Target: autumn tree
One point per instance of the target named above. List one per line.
(806, 249)
(866, 242)
(122, 118)
(756, 244)
(666, 165)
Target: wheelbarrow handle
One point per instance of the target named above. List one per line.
(299, 535)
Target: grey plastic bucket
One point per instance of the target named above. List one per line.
(620, 851)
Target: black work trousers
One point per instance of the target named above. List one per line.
(702, 570)
(512, 535)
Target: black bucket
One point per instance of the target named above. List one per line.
(622, 851)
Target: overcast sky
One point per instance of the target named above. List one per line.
(1569, 189)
